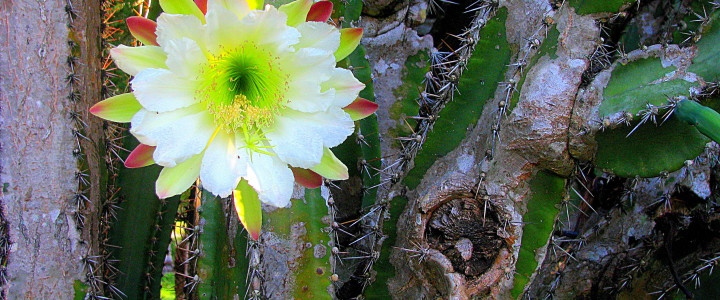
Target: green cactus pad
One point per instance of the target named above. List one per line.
(640, 72)
(635, 100)
(705, 63)
(583, 7)
(312, 277)
(650, 150)
(630, 88)
(485, 69)
(547, 191)
(80, 289)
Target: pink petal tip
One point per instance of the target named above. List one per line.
(320, 11)
(361, 108)
(140, 157)
(307, 178)
(143, 29)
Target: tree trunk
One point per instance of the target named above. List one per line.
(50, 66)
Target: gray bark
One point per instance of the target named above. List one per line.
(42, 168)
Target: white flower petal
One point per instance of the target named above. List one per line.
(298, 138)
(135, 122)
(269, 28)
(132, 60)
(308, 62)
(295, 144)
(308, 68)
(305, 96)
(318, 35)
(271, 178)
(161, 90)
(239, 7)
(178, 134)
(185, 58)
(174, 27)
(223, 164)
(345, 85)
(223, 28)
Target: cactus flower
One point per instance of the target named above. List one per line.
(238, 96)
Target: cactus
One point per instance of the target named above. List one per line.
(222, 263)
(639, 88)
(142, 232)
(486, 65)
(540, 149)
(547, 193)
(590, 7)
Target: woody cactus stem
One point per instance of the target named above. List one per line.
(441, 83)
(293, 256)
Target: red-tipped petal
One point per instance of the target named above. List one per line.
(349, 40)
(120, 108)
(248, 208)
(360, 108)
(320, 12)
(143, 29)
(202, 5)
(307, 178)
(183, 7)
(140, 157)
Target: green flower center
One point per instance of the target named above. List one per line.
(243, 88)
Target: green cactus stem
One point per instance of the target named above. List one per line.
(705, 119)
(630, 89)
(547, 191)
(584, 7)
(222, 265)
(306, 226)
(142, 231)
(485, 69)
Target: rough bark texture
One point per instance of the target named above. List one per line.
(42, 143)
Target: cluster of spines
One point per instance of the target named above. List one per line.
(90, 262)
(186, 245)
(567, 239)
(4, 250)
(693, 276)
(609, 49)
(101, 272)
(254, 285)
